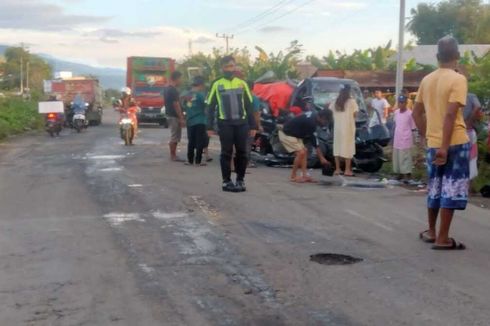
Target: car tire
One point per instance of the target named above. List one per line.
(372, 167)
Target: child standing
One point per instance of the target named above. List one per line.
(195, 109)
(403, 141)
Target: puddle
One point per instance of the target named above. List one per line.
(147, 269)
(106, 157)
(337, 182)
(112, 169)
(116, 219)
(334, 259)
(164, 216)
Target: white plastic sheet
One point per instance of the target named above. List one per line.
(51, 107)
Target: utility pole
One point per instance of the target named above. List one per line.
(27, 75)
(227, 38)
(190, 47)
(21, 74)
(401, 43)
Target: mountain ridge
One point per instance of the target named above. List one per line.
(108, 77)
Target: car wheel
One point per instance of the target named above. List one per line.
(372, 167)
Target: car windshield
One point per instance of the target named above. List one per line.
(325, 93)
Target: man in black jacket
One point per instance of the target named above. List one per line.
(293, 135)
(230, 103)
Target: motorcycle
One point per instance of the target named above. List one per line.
(369, 151)
(53, 124)
(127, 129)
(80, 121)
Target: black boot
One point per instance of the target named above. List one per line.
(240, 186)
(229, 186)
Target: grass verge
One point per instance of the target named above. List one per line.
(419, 170)
(18, 116)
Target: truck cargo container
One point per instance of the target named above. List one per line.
(88, 88)
(147, 77)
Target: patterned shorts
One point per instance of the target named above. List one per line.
(448, 184)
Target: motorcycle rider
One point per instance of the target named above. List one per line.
(132, 112)
(293, 134)
(125, 97)
(79, 106)
(128, 106)
(230, 101)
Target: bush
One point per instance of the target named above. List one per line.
(17, 116)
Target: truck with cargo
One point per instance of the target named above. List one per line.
(88, 88)
(147, 77)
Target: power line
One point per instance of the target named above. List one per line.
(263, 14)
(277, 18)
(227, 38)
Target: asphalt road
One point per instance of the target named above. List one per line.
(95, 233)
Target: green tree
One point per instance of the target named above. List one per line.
(39, 70)
(283, 63)
(378, 58)
(110, 94)
(479, 80)
(467, 20)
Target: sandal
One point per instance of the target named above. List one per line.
(425, 238)
(453, 246)
(297, 180)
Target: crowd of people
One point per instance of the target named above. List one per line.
(443, 114)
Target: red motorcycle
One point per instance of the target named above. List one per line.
(54, 124)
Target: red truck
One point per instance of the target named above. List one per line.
(90, 90)
(147, 77)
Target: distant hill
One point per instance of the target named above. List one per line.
(108, 77)
(3, 48)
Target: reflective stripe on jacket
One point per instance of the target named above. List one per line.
(233, 101)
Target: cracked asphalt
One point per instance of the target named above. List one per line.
(95, 233)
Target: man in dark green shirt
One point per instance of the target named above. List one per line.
(230, 103)
(195, 109)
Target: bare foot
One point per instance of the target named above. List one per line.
(297, 179)
(309, 179)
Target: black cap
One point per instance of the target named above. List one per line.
(197, 81)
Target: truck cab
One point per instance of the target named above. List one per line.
(147, 77)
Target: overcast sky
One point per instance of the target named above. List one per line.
(105, 32)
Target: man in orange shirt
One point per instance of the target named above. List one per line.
(442, 97)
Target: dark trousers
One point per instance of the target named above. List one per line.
(197, 138)
(233, 136)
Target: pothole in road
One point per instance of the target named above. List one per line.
(334, 259)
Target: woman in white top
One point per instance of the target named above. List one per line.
(344, 145)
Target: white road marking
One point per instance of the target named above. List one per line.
(116, 219)
(367, 219)
(135, 186)
(165, 216)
